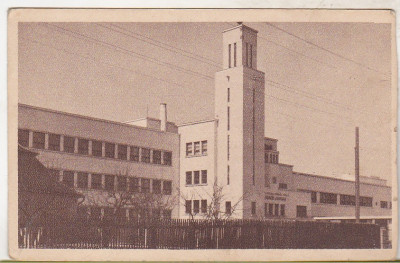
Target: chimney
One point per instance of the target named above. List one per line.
(163, 116)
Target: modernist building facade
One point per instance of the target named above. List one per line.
(229, 153)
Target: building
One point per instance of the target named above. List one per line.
(224, 165)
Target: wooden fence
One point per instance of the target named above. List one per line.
(201, 234)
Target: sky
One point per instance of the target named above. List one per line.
(322, 80)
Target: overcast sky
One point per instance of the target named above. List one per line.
(322, 80)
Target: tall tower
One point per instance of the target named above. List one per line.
(239, 107)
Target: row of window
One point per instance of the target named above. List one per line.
(96, 213)
(193, 177)
(110, 182)
(274, 210)
(194, 207)
(70, 144)
(331, 198)
(196, 148)
(271, 158)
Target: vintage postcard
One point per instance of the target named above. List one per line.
(237, 134)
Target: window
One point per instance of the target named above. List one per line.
(188, 206)
(228, 151)
(188, 178)
(196, 206)
(228, 121)
(229, 95)
(83, 146)
(68, 178)
(347, 200)
(38, 140)
(196, 177)
(282, 210)
(228, 207)
(167, 187)
(145, 155)
(134, 154)
(384, 204)
(96, 181)
(268, 147)
(276, 211)
(313, 197)
(251, 56)
(270, 209)
(266, 157)
(189, 149)
(69, 144)
(23, 137)
(97, 148)
(204, 147)
(234, 54)
(83, 180)
(110, 150)
(167, 158)
(157, 186)
(301, 211)
(229, 55)
(134, 185)
(157, 157)
(54, 142)
(328, 198)
(122, 183)
(95, 213)
(145, 185)
(247, 54)
(109, 182)
(274, 180)
(204, 176)
(253, 208)
(365, 201)
(228, 175)
(282, 186)
(196, 148)
(204, 206)
(266, 210)
(122, 152)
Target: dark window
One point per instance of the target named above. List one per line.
(38, 140)
(69, 144)
(157, 186)
(83, 180)
(313, 197)
(384, 204)
(83, 146)
(167, 158)
(274, 180)
(156, 156)
(196, 206)
(228, 207)
(266, 157)
(189, 148)
(268, 147)
(196, 177)
(204, 206)
(95, 213)
(196, 148)
(54, 142)
(229, 55)
(282, 210)
(134, 154)
(109, 182)
(253, 208)
(282, 186)
(270, 209)
(167, 213)
(276, 210)
(228, 175)
(134, 185)
(228, 151)
(23, 137)
(145, 185)
(188, 178)
(68, 178)
(229, 95)
(188, 206)
(228, 112)
(251, 56)
(167, 187)
(328, 198)
(204, 147)
(122, 152)
(97, 148)
(110, 150)
(145, 155)
(301, 211)
(247, 54)
(122, 183)
(203, 176)
(347, 200)
(365, 201)
(234, 54)
(96, 181)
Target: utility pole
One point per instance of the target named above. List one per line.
(357, 172)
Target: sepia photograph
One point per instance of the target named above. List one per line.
(220, 135)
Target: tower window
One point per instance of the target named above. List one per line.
(229, 95)
(229, 54)
(228, 147)
(234, 54)
(247, 54)
(251, 56)
(228, 118)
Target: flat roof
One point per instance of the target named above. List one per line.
(196, 122)
(242, 26)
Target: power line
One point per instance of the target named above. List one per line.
(325, 49)
(163, 45)
(135, 54)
